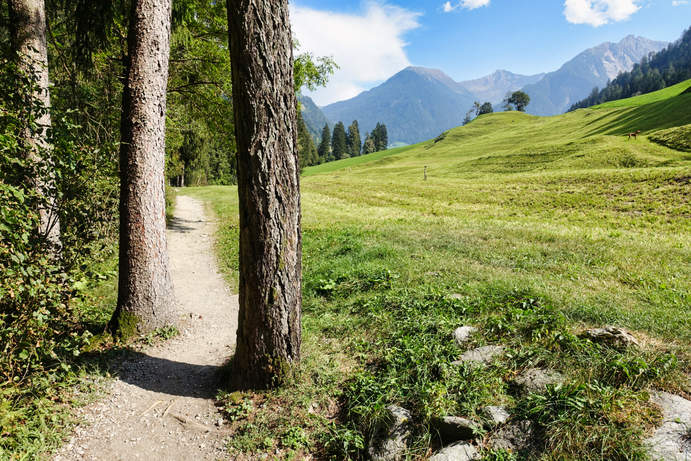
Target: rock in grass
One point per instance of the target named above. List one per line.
(672, 440)
(536, 380)
(453, 428)
(390, 441)
(612, 336)
(481, 355)
(513, 437)
(496, 415)
(457, 452)
(462, 334)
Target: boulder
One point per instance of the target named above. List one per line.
(536, 380)
(481, 355)
(390, 441)
(513, 437)
(672, 440)
(462, 334)
(611, 336)
(453, 428)
(496, 415)
(457, 452)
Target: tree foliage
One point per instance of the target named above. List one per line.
(353, 141)
(324, 150)
(380, 137)
(517, 100)
(339, 148)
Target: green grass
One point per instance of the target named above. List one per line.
(538, 227)
(655, 96)
(354, 161)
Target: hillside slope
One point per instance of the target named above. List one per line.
(512, 141)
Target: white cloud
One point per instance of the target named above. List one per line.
(467, 4)
(368, 47)
(679, 2)
(599, 12)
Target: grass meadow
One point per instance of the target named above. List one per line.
(530, 228)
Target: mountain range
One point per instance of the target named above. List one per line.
(419, 103)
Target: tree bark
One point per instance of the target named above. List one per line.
(28, 36)
(268, 340)
(145, 292)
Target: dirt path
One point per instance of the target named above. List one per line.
(161, 405)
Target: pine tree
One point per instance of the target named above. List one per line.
(306, 149)
(28, 38)
(338, 142)
(368, 147)
(380, 137)
(324, 150)
(354, 143)
(145, 292)
(269, 334)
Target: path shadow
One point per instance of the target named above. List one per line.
(181, 225)
(170, 377)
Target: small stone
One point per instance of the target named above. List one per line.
(219, 422)
(612, 336)
(457, 296)
(496, 415)
(457, 452)
(390, 443)
(481, 355)
(536, 380)
(454, 428)
(513, 437)
(672, 440)
(462, 334)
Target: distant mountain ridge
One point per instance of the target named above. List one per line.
(493, 88)
(594, 67)
(415, 104)
(313, 116)
(418, 103)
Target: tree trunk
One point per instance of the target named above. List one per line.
(269, 335)
(28, 33)
(145, 292)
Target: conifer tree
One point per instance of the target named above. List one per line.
(354, 143)
(306, 149)
(368, 147)
(338, 142)
(380, 137)
(325, 146)
(265, 107)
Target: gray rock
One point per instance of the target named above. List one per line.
(462, 334)
(481, 355)
(453, 428)
(612, 336)
(496, 415)
(672, 440)
(457, 452)
(390, 442)
(514, 437)
(536, 380)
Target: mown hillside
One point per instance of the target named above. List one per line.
(530, 229)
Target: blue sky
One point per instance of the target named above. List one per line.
(373, 39)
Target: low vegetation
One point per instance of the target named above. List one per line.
(530, 229)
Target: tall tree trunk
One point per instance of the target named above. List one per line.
(269, 335)
(145, 292)
(28, 33)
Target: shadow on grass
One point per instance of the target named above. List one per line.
(654, 116)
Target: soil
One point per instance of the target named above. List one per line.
(162, 406)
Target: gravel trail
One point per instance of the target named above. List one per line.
(161, 405)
